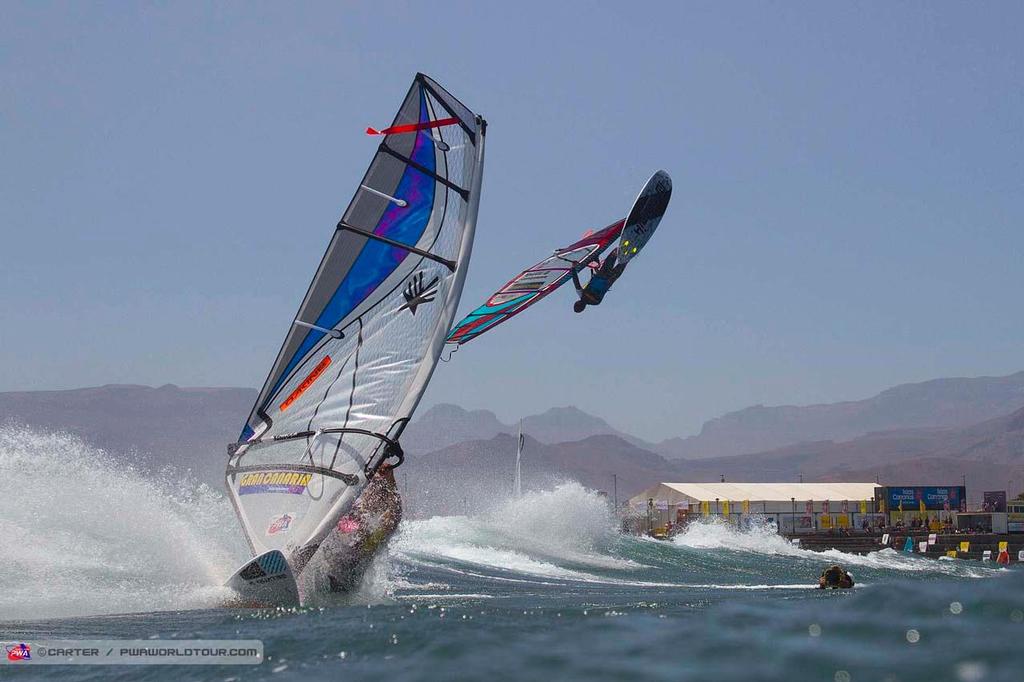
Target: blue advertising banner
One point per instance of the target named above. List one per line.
(950, 498)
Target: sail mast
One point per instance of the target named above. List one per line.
(518, 485)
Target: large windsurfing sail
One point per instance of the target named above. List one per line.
(533, 284)
(369, 331)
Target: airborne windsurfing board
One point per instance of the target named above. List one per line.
(266, 580)
(645, 215)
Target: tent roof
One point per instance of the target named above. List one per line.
(773, 492)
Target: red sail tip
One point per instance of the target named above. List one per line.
(413, 127)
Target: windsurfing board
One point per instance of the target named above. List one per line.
(266, 580)
(645, 215)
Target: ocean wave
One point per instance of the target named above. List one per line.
(85, 534)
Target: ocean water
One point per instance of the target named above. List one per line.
(538, 588)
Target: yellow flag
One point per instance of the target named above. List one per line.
(746, 506)
(705, 508)
(725, 507)
(921, 506)
(965, 547)
(863, 506)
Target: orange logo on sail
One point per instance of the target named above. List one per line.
(306, 383)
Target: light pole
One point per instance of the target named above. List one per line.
(792, 519)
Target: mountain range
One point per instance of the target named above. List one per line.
(939, 403)
(989, 454)
(446, 424)
(185, 429)
(936, 430)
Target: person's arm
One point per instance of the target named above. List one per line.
(576, 282)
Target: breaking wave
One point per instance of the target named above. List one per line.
(562, 534)
(568, 536)
(84, 534)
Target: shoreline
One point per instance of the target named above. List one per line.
(978, 544)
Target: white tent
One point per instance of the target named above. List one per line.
(790, 505)
(777, 496)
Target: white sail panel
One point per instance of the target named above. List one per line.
(368, 334)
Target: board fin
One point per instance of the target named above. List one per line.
(266, 580)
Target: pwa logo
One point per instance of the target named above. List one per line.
(280, 524)
(18, 652)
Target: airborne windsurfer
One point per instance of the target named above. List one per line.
(601, 281)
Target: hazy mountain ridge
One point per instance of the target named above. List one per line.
(184, 428)
(942, 403)
(187, 429)
(470, 475)
(985, 452)
(445, 424)
(988, 453)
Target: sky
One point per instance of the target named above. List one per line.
(847, 209)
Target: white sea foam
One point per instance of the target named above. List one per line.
(762, 539)
(563, 533)
(84, 534)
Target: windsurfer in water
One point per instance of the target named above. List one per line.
(364, 531)
(835, 577)
(601, 281)
(349, 549)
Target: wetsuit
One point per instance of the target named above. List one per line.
(363, 531)
(600, 281)
(349, 549)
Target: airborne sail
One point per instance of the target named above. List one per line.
(533, 284)
(369, 331)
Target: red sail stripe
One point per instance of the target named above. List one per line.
(413, 127)
(306, 383)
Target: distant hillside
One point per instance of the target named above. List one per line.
(989, 454)
(187, 428)
(939, 403)
(471, 475)
(446, 424)
(456, 454)
(561, 424)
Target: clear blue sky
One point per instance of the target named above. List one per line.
(847, 211)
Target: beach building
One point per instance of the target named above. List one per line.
(793, 507)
